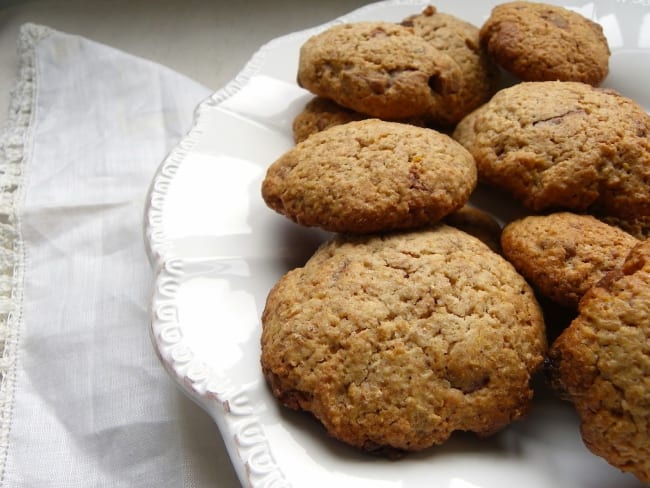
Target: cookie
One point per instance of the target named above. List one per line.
(637, 225)
(563, 145)
(377, 68)
(564, 254)
(395, 341)
(321, 113)
(370, 176)
(541, 42)
(479, 223)
(601, 364)
(460, 40)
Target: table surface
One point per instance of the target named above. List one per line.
(207, 40)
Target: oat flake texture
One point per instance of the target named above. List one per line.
(371, 176)
(396, 341)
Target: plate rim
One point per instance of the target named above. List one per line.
(247, 447)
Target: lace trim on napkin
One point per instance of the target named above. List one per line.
(15, 142)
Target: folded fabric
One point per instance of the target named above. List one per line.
(84, 400)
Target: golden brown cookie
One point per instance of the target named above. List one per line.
(396, 341)
(370, 176)
(321, 113)
(460, 40)
(564, 254)
(601, 363)
(541, 42)
(378, 68)
(563, 145)
(479, 223)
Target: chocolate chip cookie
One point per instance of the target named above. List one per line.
(396, 341)
(370, 176)
(564, 254)
(460, 40)
(541, 42)
(321, 113)
(601, 363)
(563, 145)
(380, 69)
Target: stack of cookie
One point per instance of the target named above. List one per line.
(430, 70)
(419, 317)
(401, 329)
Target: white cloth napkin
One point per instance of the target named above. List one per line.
(84, 400)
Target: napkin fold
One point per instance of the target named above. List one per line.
(83, 399)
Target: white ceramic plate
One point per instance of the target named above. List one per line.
(217, 250)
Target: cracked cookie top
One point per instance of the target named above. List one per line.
(563, 145)
(541, 42)
(371, 176)
(395, 341)
(380, 69)
(601, 363)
